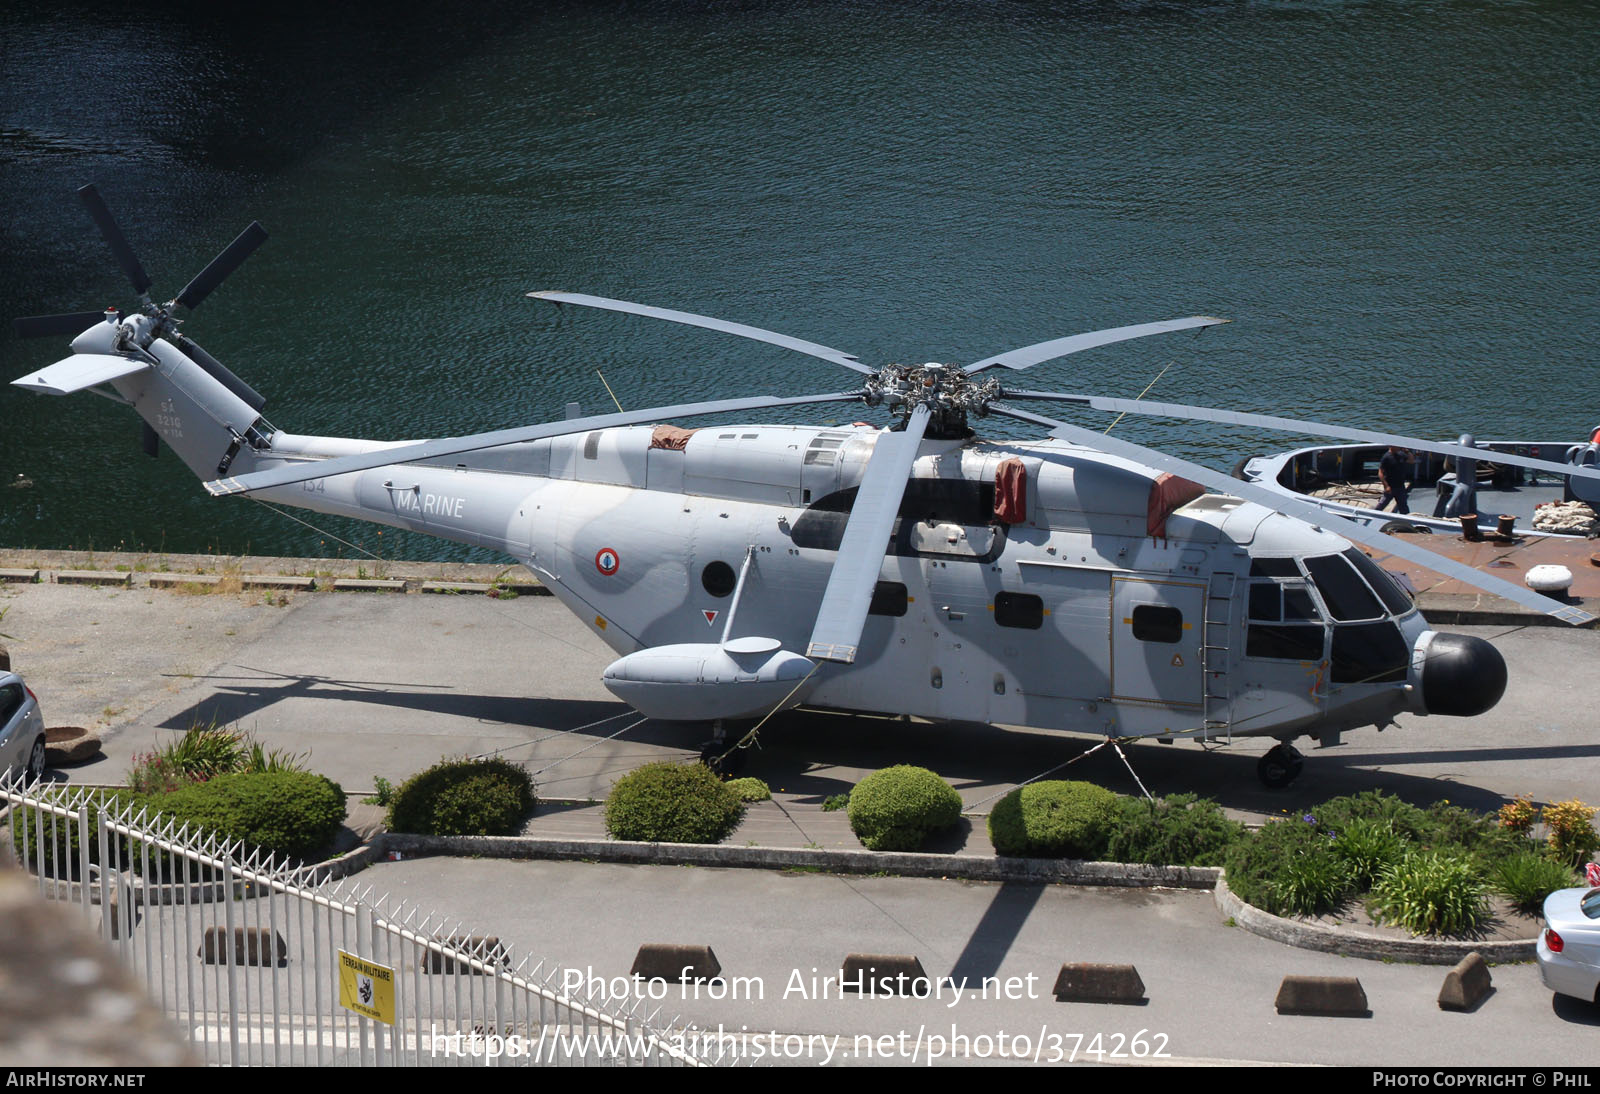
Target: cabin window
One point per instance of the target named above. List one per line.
(889, 598)
(1370, 653)
(1284, 642)
(1022, 610)
(10, 701)
(1342, 589)
(718, 578)
(1271, 602)
(1388, 589)
(1157, 623)
(1273, 567)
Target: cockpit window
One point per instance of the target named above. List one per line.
(1342, 589)
(1393, 596)
(1273, 567)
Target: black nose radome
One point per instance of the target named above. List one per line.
(1462, 675)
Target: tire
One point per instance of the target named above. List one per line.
(35, 769)
(1279, 767)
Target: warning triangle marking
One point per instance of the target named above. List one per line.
(711, 616)
(1177, 660)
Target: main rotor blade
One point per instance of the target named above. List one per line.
(243, 246)
(838, 357)
(1028, 356)
(837, 633)
(54, 326)
(1302, 510)
(113, 236)
(451, 446)
(1295, 425)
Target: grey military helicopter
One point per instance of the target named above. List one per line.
(1077, 583)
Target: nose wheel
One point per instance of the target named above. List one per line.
(1280, 766)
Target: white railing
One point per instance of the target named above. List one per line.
(243, 952)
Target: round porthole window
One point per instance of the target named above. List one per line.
(718, 578)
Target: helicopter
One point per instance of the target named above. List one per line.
(1078, 583)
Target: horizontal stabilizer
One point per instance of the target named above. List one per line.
(80, 371)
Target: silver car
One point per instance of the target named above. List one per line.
(22, 739)
(1569, 945)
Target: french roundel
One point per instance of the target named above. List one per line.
(606, 560)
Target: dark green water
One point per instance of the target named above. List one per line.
(1394, 202)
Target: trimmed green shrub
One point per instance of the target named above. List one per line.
(897, 808)
(464, 798)
(1288, 868)
(1402, 818)
(1429, 892)
(750, 789)
(672, 803)
(1054, 819)
(1528, 878)
(287, 812)
(1183, 830)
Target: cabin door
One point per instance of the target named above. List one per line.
(1156, 632)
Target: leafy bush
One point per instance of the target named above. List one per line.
(1519, 813)
(1054, 819)
(286, 812)
(897, 808)
(1404, 819)
(836, 802)
(1288, 868)
(1429, 892)
(750, 789)
(1367, 848)
(202, 753)
(1526, 879)
(672, 803)
(1183, 830)
(464, 798)
(1571, 831)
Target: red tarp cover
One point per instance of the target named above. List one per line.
(1011, 492)
(670, 437)
(1167, 494)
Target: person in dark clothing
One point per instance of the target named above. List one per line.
(1392, 473)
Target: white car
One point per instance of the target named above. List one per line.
(1569, 945)
(22, 738)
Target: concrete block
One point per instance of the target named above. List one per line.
(884, 974)
(368, 585)
(276, 581)
(251, 946)
(676, 962)
(94, 577)
(1088, 983)
(173, 581)
(1466, 985)
(460, 587)
(23, 577)
(1328, 996)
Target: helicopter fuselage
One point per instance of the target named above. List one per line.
(1070, 616)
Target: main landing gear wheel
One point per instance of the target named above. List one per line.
(1280, 766)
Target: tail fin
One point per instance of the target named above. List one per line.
(198, 414)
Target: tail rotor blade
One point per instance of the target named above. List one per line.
(114, 237)
(224, 264)
(54, 326)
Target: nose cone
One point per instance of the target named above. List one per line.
(1462, 675)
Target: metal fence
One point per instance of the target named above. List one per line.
(260, 962)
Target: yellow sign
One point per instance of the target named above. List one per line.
(366, 988)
